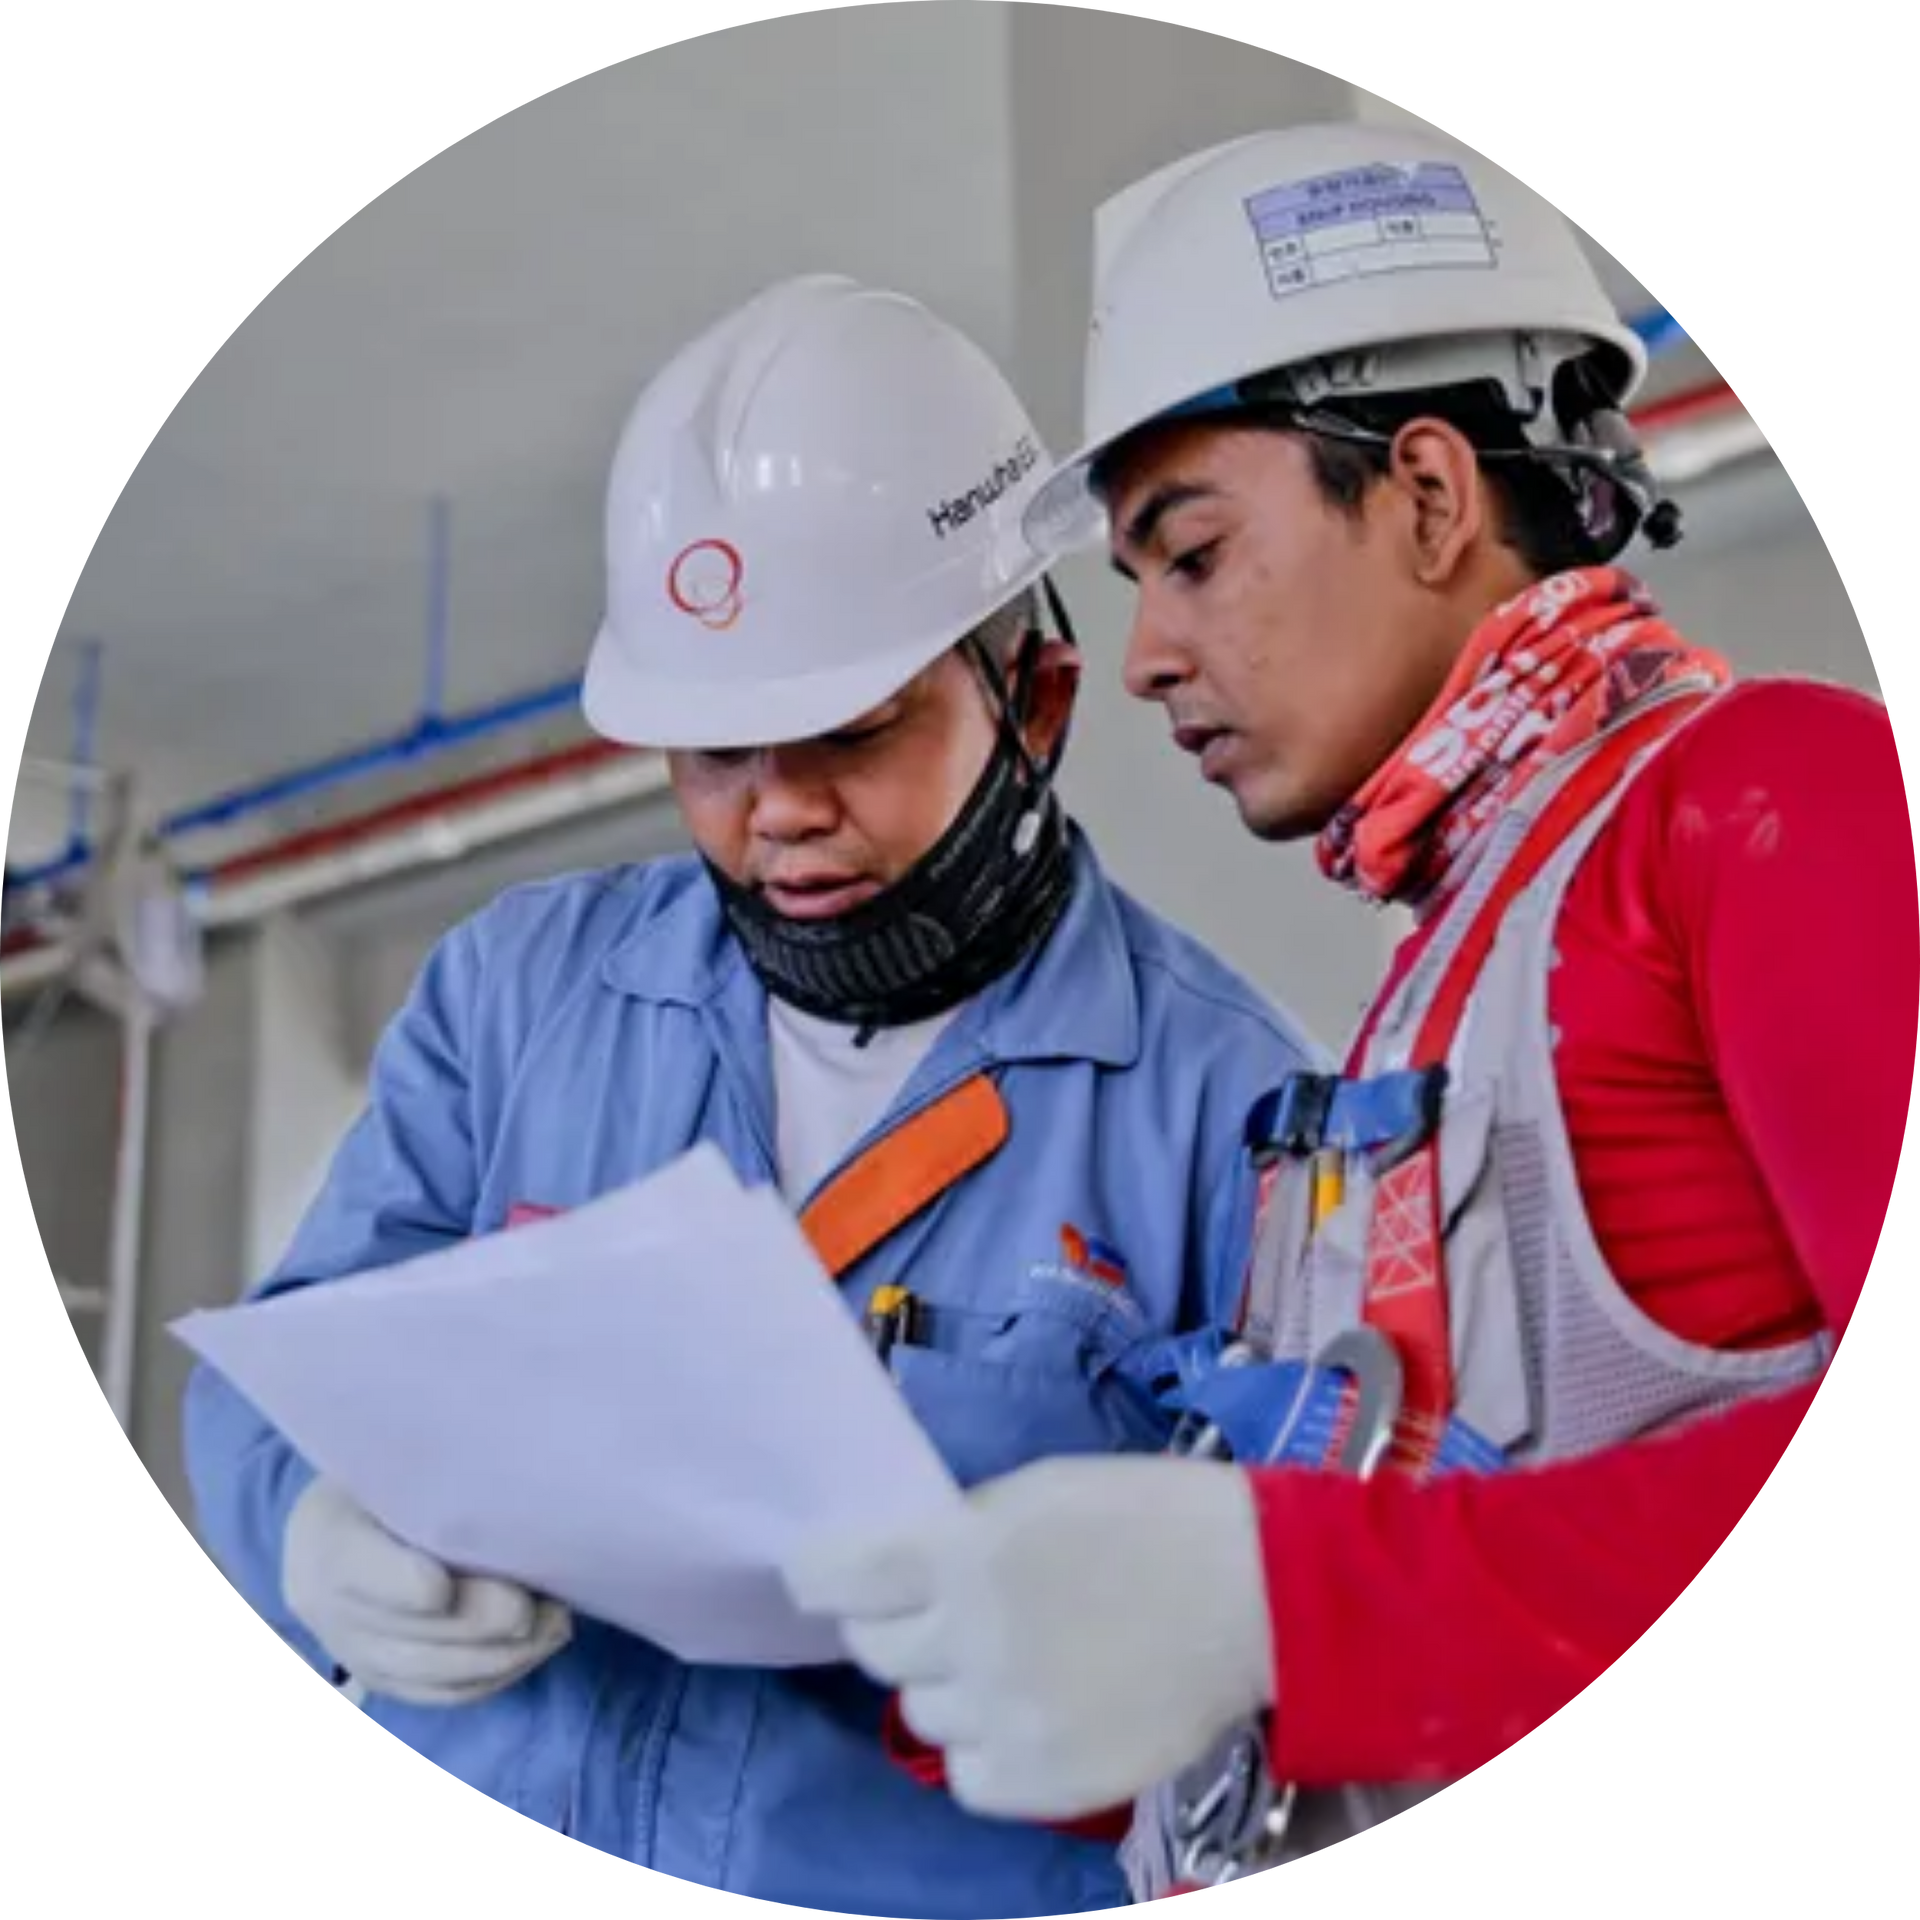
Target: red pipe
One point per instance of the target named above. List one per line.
(362, 827)
(1715, 397)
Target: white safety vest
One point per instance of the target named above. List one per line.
(1549, 1358)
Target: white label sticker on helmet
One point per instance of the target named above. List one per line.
(1362, 220)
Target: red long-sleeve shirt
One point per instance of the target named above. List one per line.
(1736, 996)
(1736, 999)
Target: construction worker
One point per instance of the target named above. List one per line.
(1005, 1101)
(1555, 1267)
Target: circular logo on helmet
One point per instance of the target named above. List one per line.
(704, 582)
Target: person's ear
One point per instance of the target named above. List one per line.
(1053, 689)
(1435, 467)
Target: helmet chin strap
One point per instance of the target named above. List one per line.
(1601, 464)
(1012, 710)
(1565, 416)
(985, 896)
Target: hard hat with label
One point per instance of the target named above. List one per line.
(808, 505)
(1344, 263)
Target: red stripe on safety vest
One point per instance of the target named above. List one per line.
(1406, 1281)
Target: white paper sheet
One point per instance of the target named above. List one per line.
(639, 1407)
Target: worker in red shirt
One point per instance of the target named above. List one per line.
(1545, 1280)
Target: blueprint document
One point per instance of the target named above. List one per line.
(640, 1408)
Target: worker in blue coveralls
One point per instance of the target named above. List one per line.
(892, 950)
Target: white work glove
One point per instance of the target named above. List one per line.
(1079, 1632)
(399, 1622)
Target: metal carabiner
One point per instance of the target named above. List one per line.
(1226, 1805)
(1204, 1865)
(1372, 1361)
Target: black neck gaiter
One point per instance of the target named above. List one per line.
(987, 894)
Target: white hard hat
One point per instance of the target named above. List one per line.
(809, 504)
(1372, 259)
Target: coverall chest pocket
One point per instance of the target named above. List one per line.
(998, 1386)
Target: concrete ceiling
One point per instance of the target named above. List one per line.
(479, 331)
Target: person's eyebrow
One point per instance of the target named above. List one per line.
(1158, 504)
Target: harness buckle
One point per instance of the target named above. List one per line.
(1421, 1097)
(1290, 1121)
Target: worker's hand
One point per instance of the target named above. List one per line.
(1077, 1633)
(399, 1622)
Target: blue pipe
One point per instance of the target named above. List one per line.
(429, 737)
(425, 740)
(77, 854)
(60, 867)
(1659, 331)
(86, 711)
(433, 733)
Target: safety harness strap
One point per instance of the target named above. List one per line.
(904, 1172)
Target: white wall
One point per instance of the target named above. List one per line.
(1753, 579)
(305, 1087)
(64, 1087)
(38, 826)
(248, 1095)
(480, 330)
(199, 1168)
